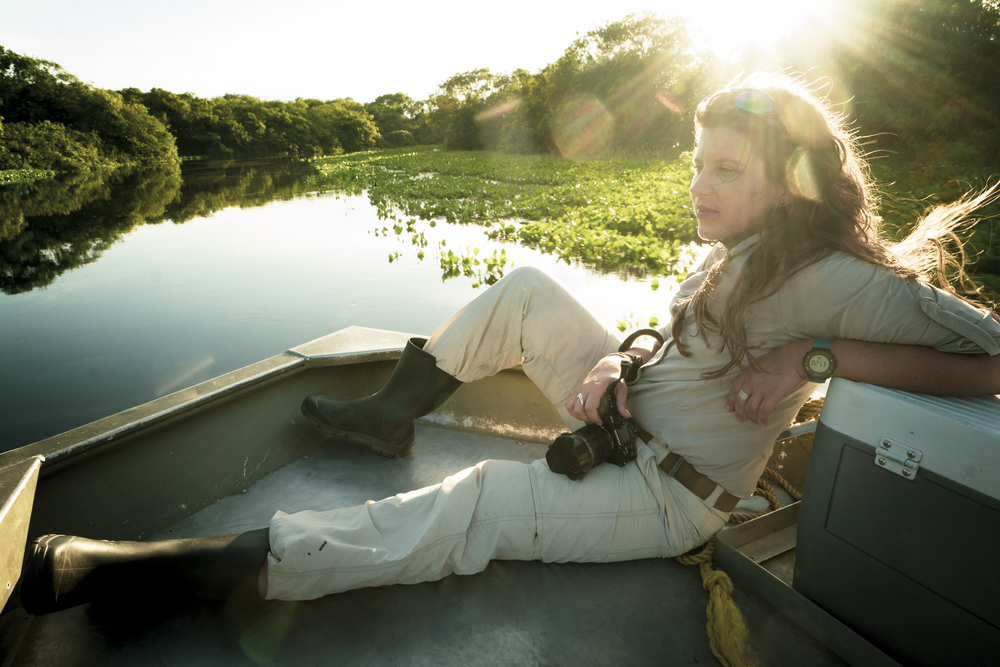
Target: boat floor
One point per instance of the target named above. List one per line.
(646, 612)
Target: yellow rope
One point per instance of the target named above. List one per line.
(765, 491)
(704, 556)
(810, 410)
(727, 629)
(783, 483)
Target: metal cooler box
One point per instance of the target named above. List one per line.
(899, 529)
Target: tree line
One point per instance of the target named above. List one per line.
(49, 119)
(918, 73)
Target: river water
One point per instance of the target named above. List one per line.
(118, 289)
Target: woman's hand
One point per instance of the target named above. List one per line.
(756, 393)
(594, 386)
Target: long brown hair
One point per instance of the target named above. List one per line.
(830, 206)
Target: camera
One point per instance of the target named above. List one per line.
(575, 454)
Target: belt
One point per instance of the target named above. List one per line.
(676, 466)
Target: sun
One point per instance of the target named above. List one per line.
(730, 26)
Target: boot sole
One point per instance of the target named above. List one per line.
(380, 447)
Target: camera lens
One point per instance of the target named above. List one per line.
(575, 454)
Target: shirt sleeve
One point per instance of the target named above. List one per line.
(844, 297)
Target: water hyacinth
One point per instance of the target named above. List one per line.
(628, 216)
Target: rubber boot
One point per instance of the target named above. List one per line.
(62, 571)
(384, 421)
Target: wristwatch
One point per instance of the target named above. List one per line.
(819, 362)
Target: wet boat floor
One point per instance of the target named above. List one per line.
(646, 612)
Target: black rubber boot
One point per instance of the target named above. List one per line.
(384, 421)
(62, 571)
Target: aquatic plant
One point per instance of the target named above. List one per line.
(628, 216)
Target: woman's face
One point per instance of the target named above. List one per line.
(731, 193)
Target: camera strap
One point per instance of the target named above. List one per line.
(630, 367)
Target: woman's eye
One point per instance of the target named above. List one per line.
(727, 174)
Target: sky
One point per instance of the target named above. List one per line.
(327, 49)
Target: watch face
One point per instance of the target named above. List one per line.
(819, 364)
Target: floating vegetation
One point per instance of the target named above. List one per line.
(627, 216)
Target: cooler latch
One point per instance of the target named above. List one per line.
(898, 458)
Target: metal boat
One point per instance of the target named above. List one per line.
(224, 455)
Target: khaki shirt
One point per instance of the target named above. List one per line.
(837, 297)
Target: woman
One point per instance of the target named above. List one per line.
(799, 271)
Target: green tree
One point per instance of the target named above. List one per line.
(630, 84)
(918, 72)
(391, 113)
(455, 107)
(29, 88)
(50, 106)
(643, 71)
(49, 145)
(124, 127)
(347, 123)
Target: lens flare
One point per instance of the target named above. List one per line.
(582, 127)
(498, 110)
(670, 101)
(802, 176)
(183, 378)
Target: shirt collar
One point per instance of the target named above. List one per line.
(744, 245)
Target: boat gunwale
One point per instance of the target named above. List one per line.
(107, 431)
(800, 610)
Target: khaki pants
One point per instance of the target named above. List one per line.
(498, 509)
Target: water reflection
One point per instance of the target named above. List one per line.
(52, 226)
(213, 273)
(213, 185)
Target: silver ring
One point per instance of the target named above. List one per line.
(580, 398)
(743, 395)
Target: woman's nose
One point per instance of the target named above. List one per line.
(699, 184)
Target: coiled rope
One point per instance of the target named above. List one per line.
(727, 629)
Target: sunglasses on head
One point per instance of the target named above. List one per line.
(761, 104)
